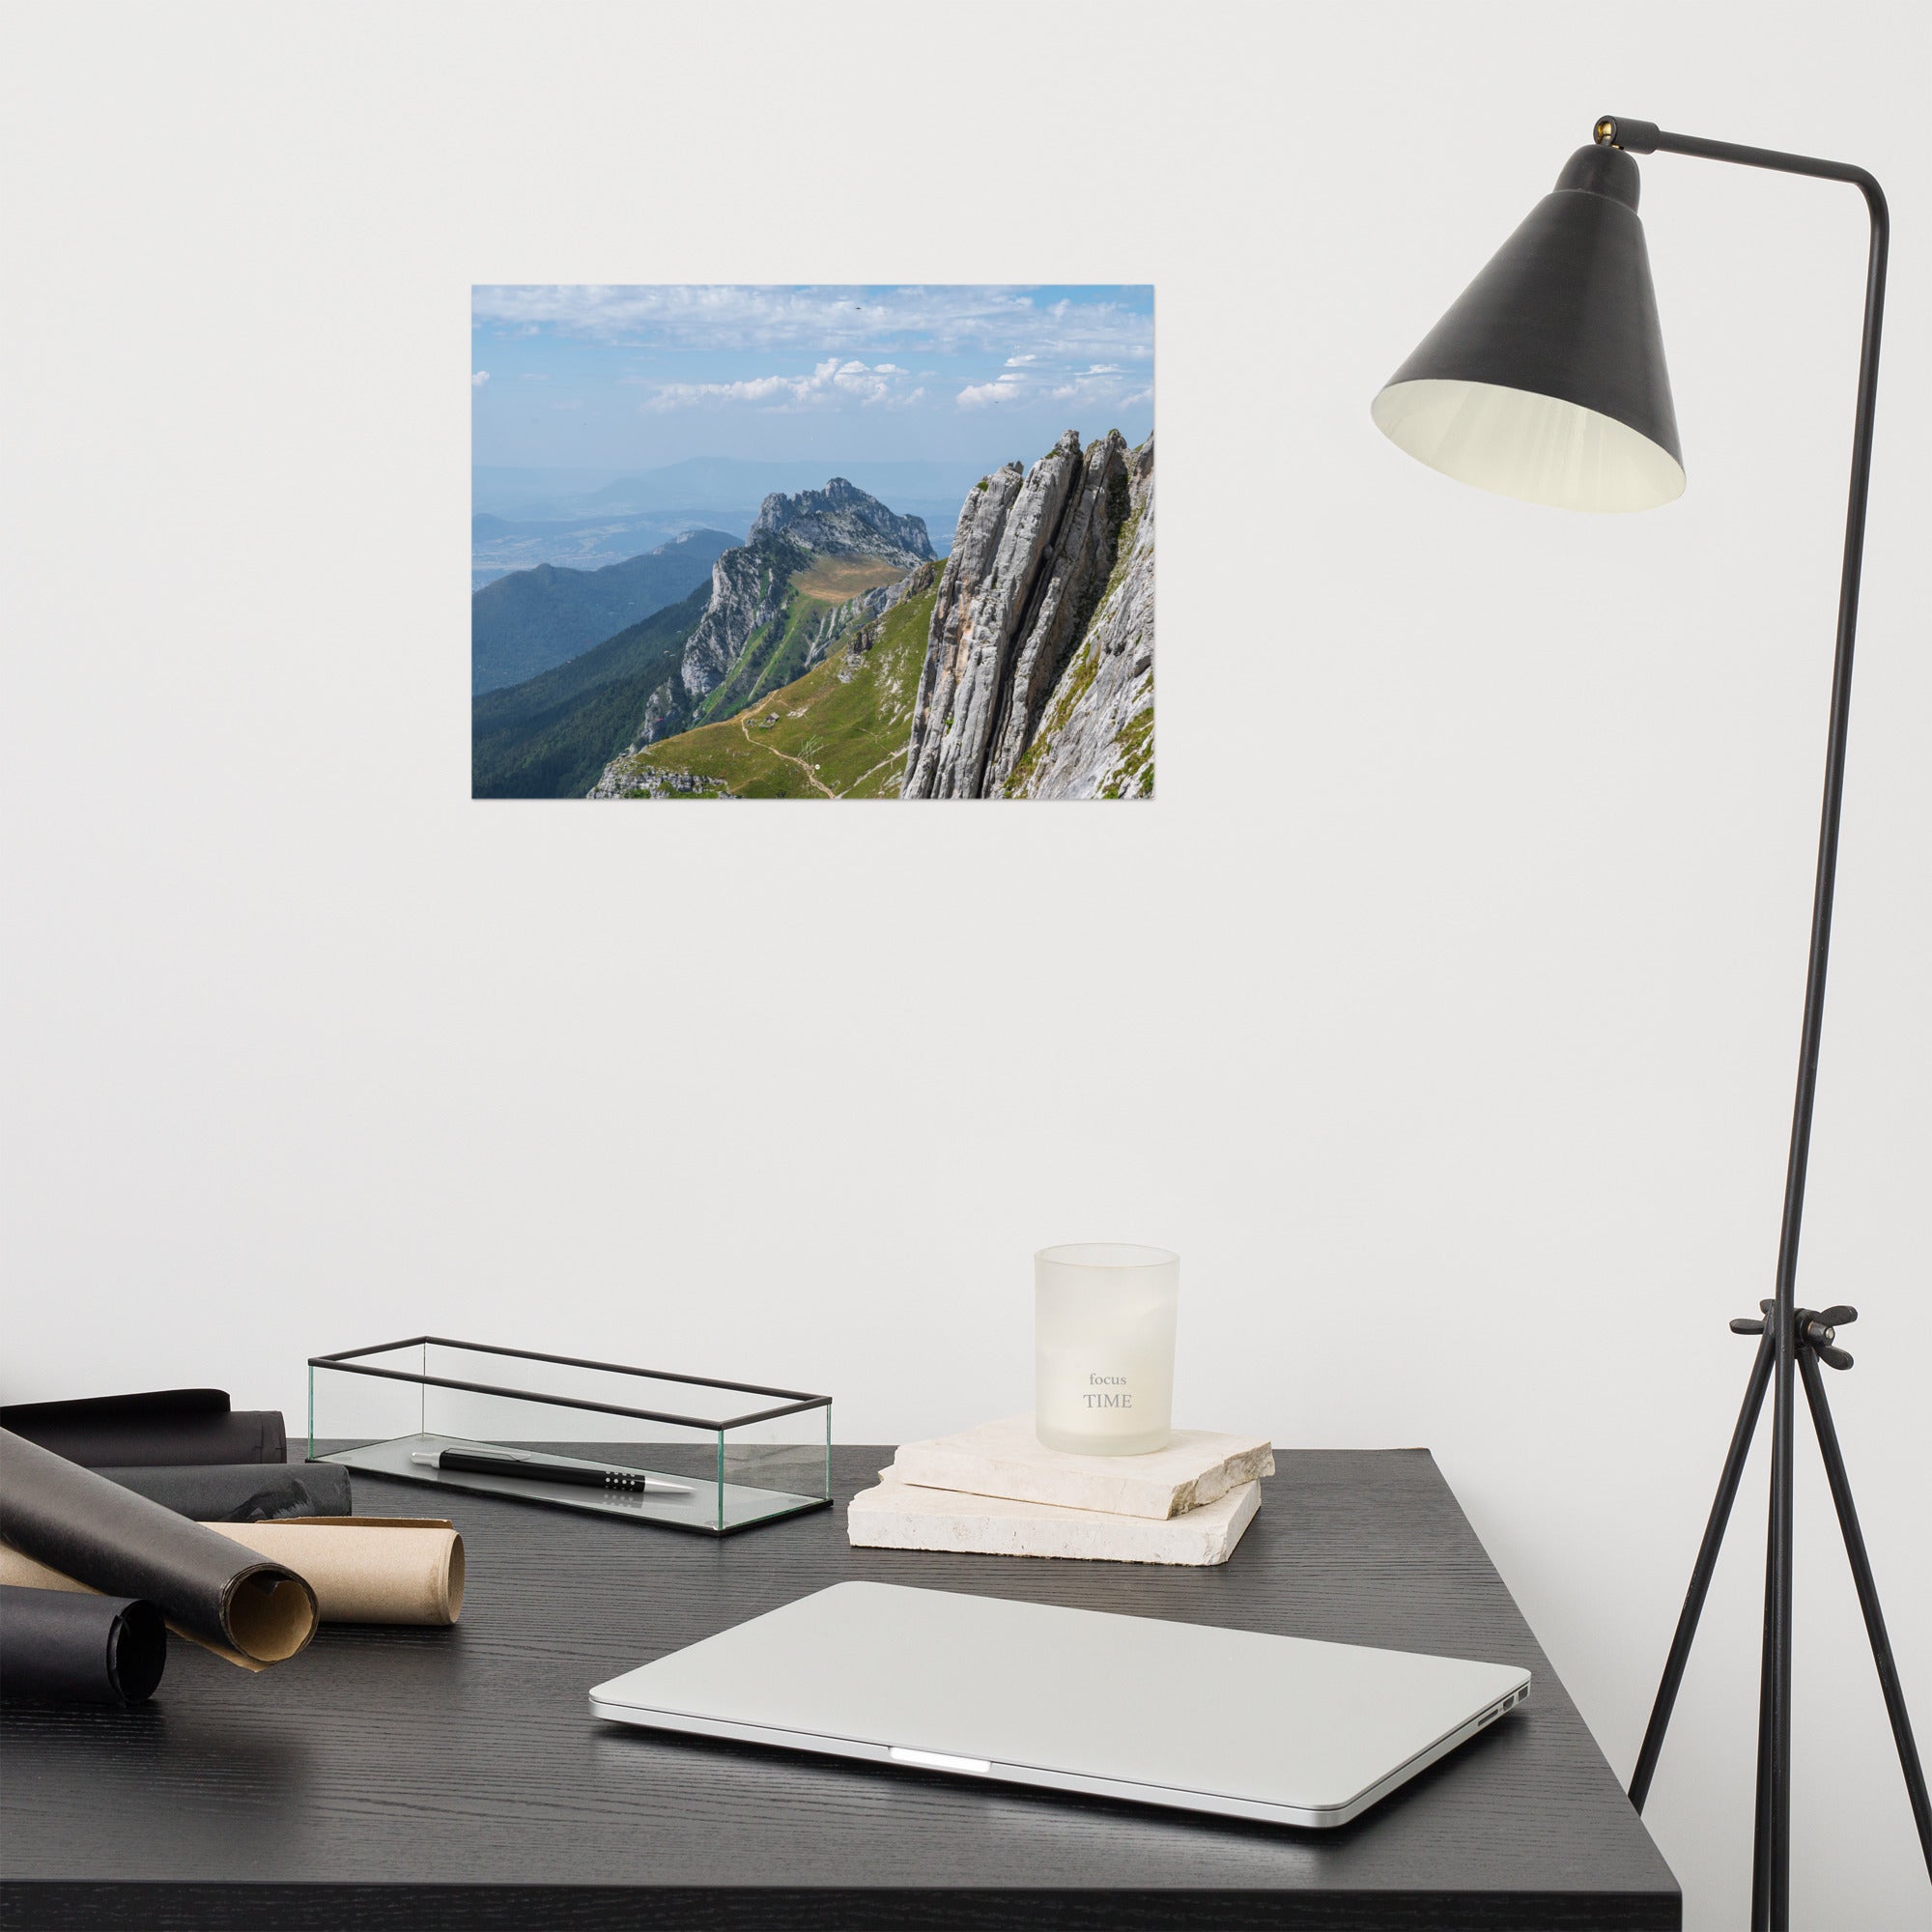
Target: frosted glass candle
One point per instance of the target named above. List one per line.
(1103, 1347)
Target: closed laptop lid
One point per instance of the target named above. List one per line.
(1279, 1721)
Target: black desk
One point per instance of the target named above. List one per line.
(430, 1779)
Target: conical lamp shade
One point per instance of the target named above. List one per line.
(1545, 381)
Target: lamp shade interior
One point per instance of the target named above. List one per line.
(1519, 443)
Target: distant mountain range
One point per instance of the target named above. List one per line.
(526, 623)
(720, 493)
(830, 655)
(499, 545)
(818, 565)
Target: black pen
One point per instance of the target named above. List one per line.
(531, 1468)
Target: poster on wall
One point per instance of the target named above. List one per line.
(751, 542)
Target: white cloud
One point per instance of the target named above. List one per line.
(478, 378)
(948, 319)
(1100, 382)
(1034, 379)
(991, 395)
(832, 384)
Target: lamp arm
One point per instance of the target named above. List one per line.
(1646, 137)
(1771, 1904)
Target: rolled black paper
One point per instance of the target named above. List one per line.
(243, 1492)
(117, 1542)
(80, 1649)
(162, 1425)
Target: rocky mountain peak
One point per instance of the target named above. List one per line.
(843, 520)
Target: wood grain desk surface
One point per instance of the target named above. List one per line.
(427, 1778)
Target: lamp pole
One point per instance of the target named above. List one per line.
(1794, 1345)
(1545, 381)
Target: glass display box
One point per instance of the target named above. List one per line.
(682, 1452)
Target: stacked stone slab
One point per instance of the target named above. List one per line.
(997, 1491)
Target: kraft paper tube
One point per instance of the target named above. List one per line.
(366, 1569)
(84, 1532)
(363, 1570)
(79, 1649)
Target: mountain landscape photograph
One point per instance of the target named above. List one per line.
(743, 541)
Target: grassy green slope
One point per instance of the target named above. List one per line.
(822, 734)
(773, 656)
(552, 736)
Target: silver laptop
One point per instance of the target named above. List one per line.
(1279, 1728)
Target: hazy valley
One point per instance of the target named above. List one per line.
(531, 620)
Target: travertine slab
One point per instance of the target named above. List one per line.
(1006, 1458)
(902, 1516)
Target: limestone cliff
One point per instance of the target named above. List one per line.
(1038, 675)
(1096, 737)
(747, 590)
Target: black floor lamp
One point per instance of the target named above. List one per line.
(1547, 382)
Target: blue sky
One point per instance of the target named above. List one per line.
(631, 377)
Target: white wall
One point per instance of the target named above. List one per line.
(1443, 1011)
